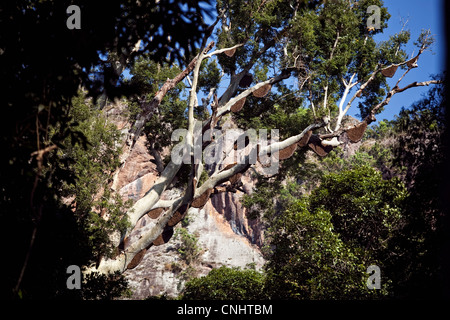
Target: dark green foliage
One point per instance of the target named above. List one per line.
(209, 76)
(323, 244)
(333, 217)
(226, 284)
(366, 209)
(420, 150)
(260, 202)
(309, 260)
(72, 227)
(43, 64)
(422, 127)
(334, 42)
(149, 76)
(40, 52)
(282, 110)
(104, 287)
(391, 49)
(93, 164)
(381, 130)
(378, 221)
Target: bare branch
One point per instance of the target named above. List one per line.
(396, 90)
(164, 203)
(142, 206)
(224, 178)
(153, 231)
(371, 116)
(334, 45)
(333, 142)
(342, 113)
(40, 154)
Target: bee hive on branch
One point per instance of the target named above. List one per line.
(287, 152)
(230, 52)
(238, 105)
(261, 92)
(389, 72)
(316, 145)
(412, 63)
(155, 213)
(136, 259)
(235, 178)
(164, 237)
(304, 140)
(201, 200)
(178, 216)
(356, 133)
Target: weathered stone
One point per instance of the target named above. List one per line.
(138, 174)
(225, 235)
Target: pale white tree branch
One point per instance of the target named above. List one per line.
(396, 90)
(221, 176)
(219, 51)
(348, 86)
(334, 142)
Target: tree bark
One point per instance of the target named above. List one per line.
(221, 107)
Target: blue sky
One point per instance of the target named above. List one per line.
(420, 15)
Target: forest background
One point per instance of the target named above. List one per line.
(327, 218)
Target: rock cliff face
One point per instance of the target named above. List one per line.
(161, 269)
(225, 236)
(138, 174)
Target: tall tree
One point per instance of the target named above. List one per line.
(328, 47)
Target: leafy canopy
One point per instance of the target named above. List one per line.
(226, 284)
